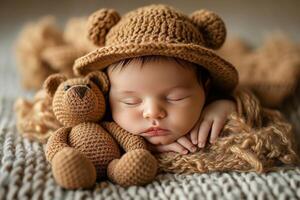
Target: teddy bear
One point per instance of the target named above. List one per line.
(87, 149)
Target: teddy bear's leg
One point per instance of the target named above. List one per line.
(72, 170)
(136, 167)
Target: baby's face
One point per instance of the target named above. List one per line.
(161, 95)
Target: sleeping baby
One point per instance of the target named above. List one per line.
(167, 83)
(163, 99)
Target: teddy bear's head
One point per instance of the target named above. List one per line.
(78, 100)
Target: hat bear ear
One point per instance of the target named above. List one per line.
(99, 23)
(52, 82)
(100, 79)
(211, 26)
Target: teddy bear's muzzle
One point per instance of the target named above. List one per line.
(80, 101)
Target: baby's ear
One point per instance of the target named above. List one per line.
(100, 79)
(207, 86)
(52, 82)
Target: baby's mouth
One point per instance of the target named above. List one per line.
(155, 131)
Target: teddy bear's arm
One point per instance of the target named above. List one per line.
(57, 141)
(127, 140)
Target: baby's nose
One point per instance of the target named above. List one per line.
(154, 111)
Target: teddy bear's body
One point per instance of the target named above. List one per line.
(84, 149)
(96, 144)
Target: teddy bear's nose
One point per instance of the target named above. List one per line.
(80, 91)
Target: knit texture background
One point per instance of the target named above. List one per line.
(25, 173)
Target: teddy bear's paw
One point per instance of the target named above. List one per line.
(72, 170)
(136, 167)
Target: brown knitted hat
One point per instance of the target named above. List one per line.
(158, 30)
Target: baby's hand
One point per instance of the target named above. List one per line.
(212, 119)
(182, 145)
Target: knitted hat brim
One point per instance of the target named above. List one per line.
(224, 75)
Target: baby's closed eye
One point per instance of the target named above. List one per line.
(131, 101)
(177, 97)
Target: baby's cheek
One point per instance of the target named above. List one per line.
(127, 120)
(185, 120)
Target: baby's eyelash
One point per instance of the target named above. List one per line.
(131, 104)
(177, 99)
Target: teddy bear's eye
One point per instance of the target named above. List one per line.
(89, 85)
(67, 87)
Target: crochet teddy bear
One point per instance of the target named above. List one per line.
(84, 149)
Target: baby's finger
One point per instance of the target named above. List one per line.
(185, 142)
(176, 147)
(203, 132)
(194, 133)
(217, 126)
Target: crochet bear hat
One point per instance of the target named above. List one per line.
(158, 30)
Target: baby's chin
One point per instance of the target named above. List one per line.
(160, 140)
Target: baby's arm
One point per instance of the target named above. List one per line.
(212, 120)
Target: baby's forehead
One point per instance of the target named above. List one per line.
(146, 85)
(165, 72)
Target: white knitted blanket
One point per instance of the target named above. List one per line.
(25, 173)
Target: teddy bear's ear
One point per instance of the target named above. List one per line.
(211, 26)
(99, 23)
(100, 79)
(52, 82)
